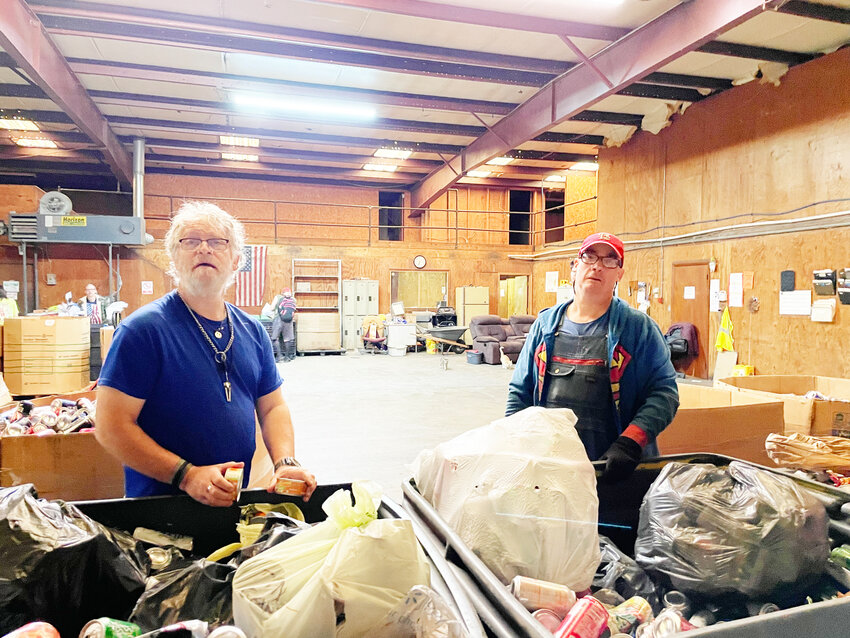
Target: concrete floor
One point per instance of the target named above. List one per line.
(367, 416)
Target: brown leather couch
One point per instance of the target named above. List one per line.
(490, 332)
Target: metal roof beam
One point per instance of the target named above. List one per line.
(684, 28)
(484, 17)
(791, 58)
(26, 40)
(829, 13)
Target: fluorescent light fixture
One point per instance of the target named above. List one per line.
(233, 140)
(13, 124)
(392, 153)
(289, 104)
(240, 157)
(585, 166)
(478, 173)
(555, 178)
(500, 161)
(382, 168)
(31, 142)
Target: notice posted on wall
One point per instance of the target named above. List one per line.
(736, 290)
(690, 292)
(552, 281)
(795, 302)
(714, 295)
(147, 287)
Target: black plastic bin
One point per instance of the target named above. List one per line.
(214, 527)
(619, 511)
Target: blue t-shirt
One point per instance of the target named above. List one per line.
(158, 354)
(598, 326)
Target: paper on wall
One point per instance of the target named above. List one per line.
(795, 302)
(552, 281)
(736, 290)
(714, 295)
(690, 292)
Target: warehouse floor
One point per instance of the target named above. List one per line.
(368, 416)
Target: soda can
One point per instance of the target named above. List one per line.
(160, 557)
(234, 476)
(290, 487)
(675, 599)
(195, 628)
(540, 594)
(547, 618)
(588, 618)
(841, 556)
(34, 630)
(110, 628)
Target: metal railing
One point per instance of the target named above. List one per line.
(360, 224)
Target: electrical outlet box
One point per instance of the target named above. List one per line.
(51, 279)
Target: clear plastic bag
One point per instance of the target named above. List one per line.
(421, 614)
(620, 573)
(521, 493)
(714, 531)
(809, 452)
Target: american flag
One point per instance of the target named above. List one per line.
(251, 277)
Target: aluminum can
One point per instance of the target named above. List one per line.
(234, 476)
(34, 630)
(675, 599)
(541, 594)
(588, 618)
(110, 628)
(547, 618)
(160, 557)
(629, 614)
(290, 487)
(196, 629)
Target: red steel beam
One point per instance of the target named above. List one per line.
(24, 38)
(682, 29)
(485, 17)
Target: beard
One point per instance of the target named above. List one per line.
(205, 286)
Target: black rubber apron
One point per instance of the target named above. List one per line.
(578, 378)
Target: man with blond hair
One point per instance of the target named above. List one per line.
(187, 373)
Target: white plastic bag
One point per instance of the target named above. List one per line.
(521, 493)
(352, 564)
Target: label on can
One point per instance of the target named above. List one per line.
(234, 475)
(290, 487)
(587, 619)
(110, 628)
(540, 594)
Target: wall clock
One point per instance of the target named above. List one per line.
(419, 261)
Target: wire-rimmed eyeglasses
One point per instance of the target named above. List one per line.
(215, 243)
(609, 262)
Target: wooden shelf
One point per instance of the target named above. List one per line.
(311, 308)
(316, 292)
(315, 277)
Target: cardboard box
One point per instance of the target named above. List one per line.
(816, 417)
(106, 334)
(47, 330)
(722, 421)
(66, 466)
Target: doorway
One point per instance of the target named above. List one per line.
(513, 295)
(690, 303)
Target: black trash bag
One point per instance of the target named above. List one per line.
(713, 531)
(622, 574)
(60, 566)
(198, 591)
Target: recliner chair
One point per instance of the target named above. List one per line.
(489, 333)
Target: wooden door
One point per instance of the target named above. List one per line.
(690, 303)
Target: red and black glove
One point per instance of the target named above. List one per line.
(623, 456)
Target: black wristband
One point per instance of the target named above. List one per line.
(177, 479)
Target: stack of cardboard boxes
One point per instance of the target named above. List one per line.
(46, 355)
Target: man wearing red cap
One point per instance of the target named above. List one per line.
(604, 360)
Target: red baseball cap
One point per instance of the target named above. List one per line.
(603, 238)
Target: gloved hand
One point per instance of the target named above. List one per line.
(621, 459)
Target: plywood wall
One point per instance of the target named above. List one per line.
(754, 153)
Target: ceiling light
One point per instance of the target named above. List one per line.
(300, 105)
(383, 168)
(555, 178)
(14, 124)
(585, 166)
(32, 142)
(500, 161)
(233, 140)
(478, 173)
(393, 153)
(240, 157)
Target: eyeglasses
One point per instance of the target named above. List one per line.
(608, 262)
(216, 243)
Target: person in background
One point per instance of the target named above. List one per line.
(285, 324)
(604, 360)
(93, 305)
(8, 307)
(187, 374)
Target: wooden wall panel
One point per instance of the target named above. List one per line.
(21, 199)
(745, 155)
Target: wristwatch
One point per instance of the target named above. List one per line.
(287, 460)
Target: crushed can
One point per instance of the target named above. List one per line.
(290, 487)
(234, 476)
(34, 630)
(540, 594)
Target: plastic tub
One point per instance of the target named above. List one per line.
(474, 357)
(619, 510)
